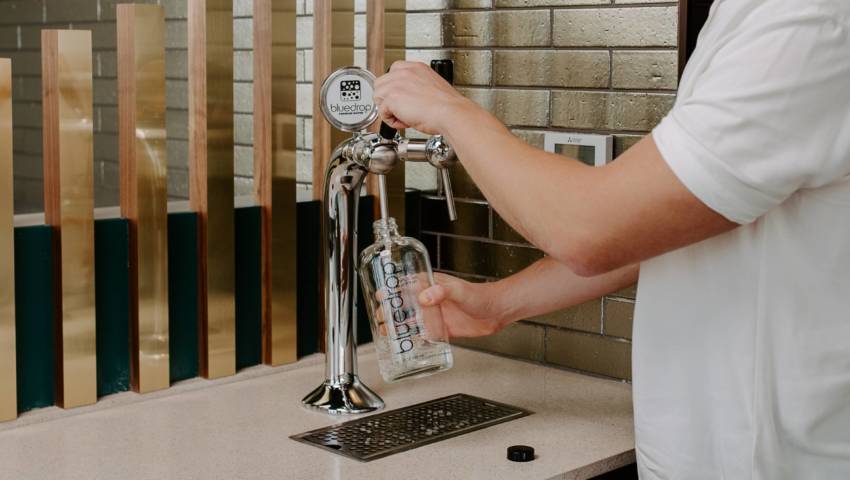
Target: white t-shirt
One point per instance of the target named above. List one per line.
(742, 342)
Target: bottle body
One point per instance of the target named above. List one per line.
(411, 340)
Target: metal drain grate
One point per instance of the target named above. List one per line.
(396, 431)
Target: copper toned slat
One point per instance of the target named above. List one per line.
(8, 386)
(211, 178)
(274, 173)
(385, 44)
(333, 47)
(69, 207)
(144, 192)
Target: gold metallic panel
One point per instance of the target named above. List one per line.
(69, 207)
(8, 378)
(333, 47)
(274, 173)
(385, 44)
(144, 193)
(211, 178)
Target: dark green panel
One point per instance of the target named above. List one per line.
(249, 297)
(365, 237)
(112, 289)
(34, 317)
(309, 268)
(183, 295)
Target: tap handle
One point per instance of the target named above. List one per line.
(387, 132)
(447, 190)
(445, 68)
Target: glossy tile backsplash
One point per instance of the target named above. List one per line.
(593, 66)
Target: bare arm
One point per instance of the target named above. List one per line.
(593, 220)
(475, 309)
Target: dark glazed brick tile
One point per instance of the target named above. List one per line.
(586, 317)
(503, 232)
(431, 242)
(589, 353)
(618, 318)
(624, 142)
(487, 259)
(519, 340)
(473, 219)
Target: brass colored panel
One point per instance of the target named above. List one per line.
(274, 173)
(211, 178)
(385, 44)
(69, 207)
(8, 378)
(144, 193)
(333, 47)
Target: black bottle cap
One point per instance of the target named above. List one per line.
(520, 453)
(445, 68)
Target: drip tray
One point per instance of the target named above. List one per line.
(395, 431)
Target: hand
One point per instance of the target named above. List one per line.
(412, 95)
(468, 309)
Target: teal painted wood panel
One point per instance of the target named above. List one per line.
(34, 325)
(248, 292)
(112, 304)
(183, 295)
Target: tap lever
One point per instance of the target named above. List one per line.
(445, 175)
(445, 68)
(387, 132)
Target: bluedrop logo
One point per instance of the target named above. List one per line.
(349, 90)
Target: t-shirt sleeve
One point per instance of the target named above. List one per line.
(768, 115)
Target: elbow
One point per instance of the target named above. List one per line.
(585, 257)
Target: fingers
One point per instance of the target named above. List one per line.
(441, 292)
(389, 118)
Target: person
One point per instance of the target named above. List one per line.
(734, 212)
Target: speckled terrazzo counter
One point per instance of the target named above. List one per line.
(239, 428)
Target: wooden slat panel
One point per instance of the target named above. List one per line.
(385, 44)
(8, 378)
(144, 192)
(333, 47)
(211, 178)
(69, 207)
(274, 173)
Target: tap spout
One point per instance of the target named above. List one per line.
(342, 392)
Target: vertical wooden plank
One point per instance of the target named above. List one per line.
(274, 173)
(8, 378)
(211, 178)
(144, 193)
(333, 47)
(385, 44)
(69, 207)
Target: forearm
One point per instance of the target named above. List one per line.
(546, 199)
(549, 285)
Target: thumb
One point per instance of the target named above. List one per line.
(438, 294)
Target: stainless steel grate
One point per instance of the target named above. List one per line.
(394, 431)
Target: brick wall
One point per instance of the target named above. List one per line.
(596, 66)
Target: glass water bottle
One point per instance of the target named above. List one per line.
(411, 340)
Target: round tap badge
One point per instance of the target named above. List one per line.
(347, 99)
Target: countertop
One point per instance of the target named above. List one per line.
(239, 428)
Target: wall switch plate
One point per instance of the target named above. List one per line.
(593, 150)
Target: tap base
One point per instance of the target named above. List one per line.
(344, 398)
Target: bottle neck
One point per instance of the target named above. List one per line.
(385, 230)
